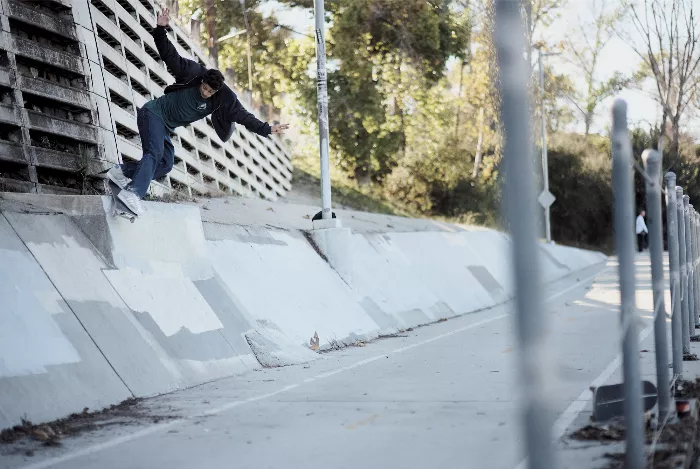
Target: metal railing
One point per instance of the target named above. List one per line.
(520, 210)
(683, 233)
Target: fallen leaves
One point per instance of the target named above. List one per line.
(314, 342)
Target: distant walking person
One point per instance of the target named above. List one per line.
(196, 93)
(642, 230)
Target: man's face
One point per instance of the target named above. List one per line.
(206, 90)
(644, 214)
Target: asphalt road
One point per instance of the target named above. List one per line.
(444, 395)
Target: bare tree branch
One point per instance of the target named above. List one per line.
(595, 33)
(668, 31)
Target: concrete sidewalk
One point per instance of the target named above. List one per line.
(576, 454)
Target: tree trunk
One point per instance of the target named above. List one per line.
(248, 46)
(459, 98)
(588, 120)
(212, 45)
(675, 136)
(479, 142)
(363, 176)
(662, 133)
(528, 13)
(173, 6)
(195, 28)
(400, 107)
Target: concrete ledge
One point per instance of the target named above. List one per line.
(333, 223)
(36, 203)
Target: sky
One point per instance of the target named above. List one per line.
(617, 56)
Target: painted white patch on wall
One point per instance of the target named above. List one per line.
(75, 270)
(51, 300)
(441, 263)
(172, 300)
(175, 236)
(493, 250)
(30, 339)
(384, 275)
(308, 295)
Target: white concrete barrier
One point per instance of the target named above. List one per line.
(284, 284)
(101, 309)
(386, 287)
(168, 238)
(573, 258)
(49, 366)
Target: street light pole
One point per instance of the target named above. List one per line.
(233, 33)
(250, 59)
(546, 199)
(545, 170)
(322, 98)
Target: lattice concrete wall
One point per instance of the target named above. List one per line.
(73, 73)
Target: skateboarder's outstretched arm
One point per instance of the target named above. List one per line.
(182, 69)
(240, 115)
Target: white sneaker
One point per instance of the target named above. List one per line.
(116, 175)
(131, 200)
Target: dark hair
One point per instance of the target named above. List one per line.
(214, 79)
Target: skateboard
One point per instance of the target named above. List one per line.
(118, 207)
(609, 400)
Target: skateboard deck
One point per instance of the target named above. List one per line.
(609, 400)
(118, 207)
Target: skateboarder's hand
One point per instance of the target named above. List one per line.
(163, 18)
(279, 128)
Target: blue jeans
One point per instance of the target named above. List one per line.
(158, 153)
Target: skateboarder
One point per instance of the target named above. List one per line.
(196, 93)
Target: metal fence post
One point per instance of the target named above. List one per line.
(696, 254)
(683, 263)
(520, 206)
(676, 318)
(652, 166)
(625, 246)
(692, 277)
(689, 269)
(545, 165)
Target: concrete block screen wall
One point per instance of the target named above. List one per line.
(73, 74)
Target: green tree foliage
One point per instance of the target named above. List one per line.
(387, 56)
(580, 177)
(557, 114)
(279, 62)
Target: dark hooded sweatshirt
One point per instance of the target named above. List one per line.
(225, 108)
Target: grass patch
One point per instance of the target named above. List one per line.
(347, 194)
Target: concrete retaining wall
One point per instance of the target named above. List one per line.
(49, 365)
(101, 309)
